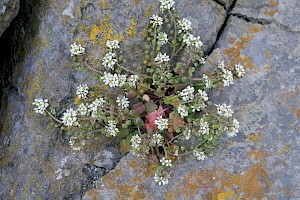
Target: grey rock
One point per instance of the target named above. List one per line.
(8, 11)
(37, 162)
(282, 12)
(262, 161)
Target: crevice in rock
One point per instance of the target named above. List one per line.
(221, 3)
(228, 14)
(251, 19)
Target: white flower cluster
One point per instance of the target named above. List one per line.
(109, 60)
(227, 77)
(224, 110)
(187, 93)
(199, 154)
(187, 134)
(166, 5)
(82, 109)
(136, 142)
(76, 49)
(184, 25)
(162, 38)
(132, 80)
(166, 162)
(203, 95)
(41, 105)
(221, 65)
(183, 111)
(204, 127)
(114, 80)
(234, 129)
(161, 123)
(69, 118)
(82, 91)
(157, 139)
(74, 146)
(160, 58)
(191, 40)
(239, 70)
(123, 102)
(207, 81)
(156, 20)
(202, 61)
(161, 178)
(112, 44)
(93, 107)
(111, 128)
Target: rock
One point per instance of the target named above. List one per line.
(226, 3)
(8, 11)
(37, 161)
(262, 161)
(282, 12)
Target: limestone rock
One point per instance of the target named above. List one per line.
(8, 11)
(262, 161)
(37, 162)
(282, 12)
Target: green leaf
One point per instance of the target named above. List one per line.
(123, 132)
(150, 106)
(124, 146)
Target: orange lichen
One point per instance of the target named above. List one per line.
(251, 184)
(132, 29)
(150, 170)
(297, 111)
(133, 164)
(273, 2)
(270, 12)
(254, 137)
(258, 155)
(92, 194)
(137, 2)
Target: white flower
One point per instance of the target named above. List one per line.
(204, 127)
(76, 49)
(122, 102)
(166, 162)
(132, 80)
(114, 80)
(187, 134)
(166, 5)
(221, 65)
(184, 25)
(82, 91)
(162, 58)
(111, 128)
(41, 105)
(239, 70)
(207, 81)
(203, 95)
(234, 129)
(202, 61)
(161, 123)
(136, 141)
(187, 93)
(74, 146)
(157, 139)
(112, 44)
(161, 178)
(69, 117)
(182, 111)
(93, 107)
(199, 154)
(162, 38)
(156, 20)
(109, 60)
(227, 77)
(191, 40)
(82, 109)
(224, 110)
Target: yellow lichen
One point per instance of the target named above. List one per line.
(273, 2)
(226, 195)
(268, 54)
(270, 12)
(258, 155)
(104, 5)
(132, 29)
(149, 11)
(268, 68)
(254, 137)
(284, 150)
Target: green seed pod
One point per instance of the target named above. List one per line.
(148, 39)
(169, 25)
(158, 49)
(146, 52)
(144, 61)
(147, 57)
(149, 30)
(171, 31)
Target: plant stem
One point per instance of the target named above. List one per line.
(54, 118)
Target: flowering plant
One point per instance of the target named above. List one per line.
(159, 110)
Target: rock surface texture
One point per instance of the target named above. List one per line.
(36, 161)
(8, 11)
(262, 162)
